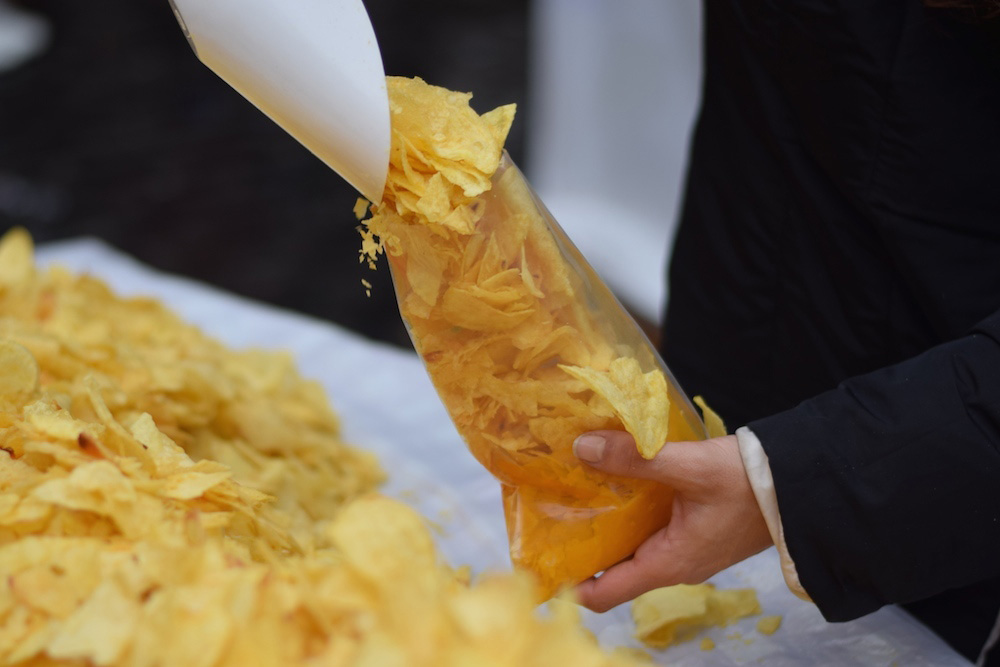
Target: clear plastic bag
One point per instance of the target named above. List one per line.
(497, 315)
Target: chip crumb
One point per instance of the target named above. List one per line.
(361, 208)
(707, 644)
(768, 625)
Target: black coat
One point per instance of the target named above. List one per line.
(836, 285)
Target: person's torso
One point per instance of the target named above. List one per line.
(843, 204)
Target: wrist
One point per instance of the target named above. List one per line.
(761, 482)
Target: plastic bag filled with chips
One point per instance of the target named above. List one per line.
(524, 343)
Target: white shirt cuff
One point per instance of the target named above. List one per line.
(759, 473)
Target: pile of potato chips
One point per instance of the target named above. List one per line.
(526, 346)
(167, 501)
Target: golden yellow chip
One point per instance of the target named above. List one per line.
(383, 539)
(87, 634)
(464, 306)
(16, 257)
(666, 615)
(443, 154)
(675, 614)
(18, 368)
(439, 120)
(639, 399)
(714, 425)
(361, 208)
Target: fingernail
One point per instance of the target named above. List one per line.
(589, 448)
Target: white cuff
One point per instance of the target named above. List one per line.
(759, 473)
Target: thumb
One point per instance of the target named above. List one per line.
(614, 452)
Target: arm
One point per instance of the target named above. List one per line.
(888, 488)
(902, 500)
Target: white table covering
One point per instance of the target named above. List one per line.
(388, 405)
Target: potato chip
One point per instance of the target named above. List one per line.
(86, 633)
(464, 306)
(713, 422)
(50, 420)
(442, 123)
(18, 369)
(675, 614)
(639, 399)
(16, 257)
(769, 625)
(100, 487)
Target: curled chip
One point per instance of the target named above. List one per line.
(714, 425)
(639, 399)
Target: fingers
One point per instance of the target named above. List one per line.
(628, 579)
(597, 593)
(715, 518)
(679, 464)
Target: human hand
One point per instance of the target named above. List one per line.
(715, 523)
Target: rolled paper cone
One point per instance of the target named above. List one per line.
(312, 66)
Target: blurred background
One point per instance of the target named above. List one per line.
(111, 128)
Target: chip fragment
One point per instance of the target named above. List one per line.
(768, 625)
(714, 425)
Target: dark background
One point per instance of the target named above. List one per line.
(118, 131)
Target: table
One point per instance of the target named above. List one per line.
(388, 405)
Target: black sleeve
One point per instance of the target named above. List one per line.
(889, 485)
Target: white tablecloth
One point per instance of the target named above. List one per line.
(388, 405)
